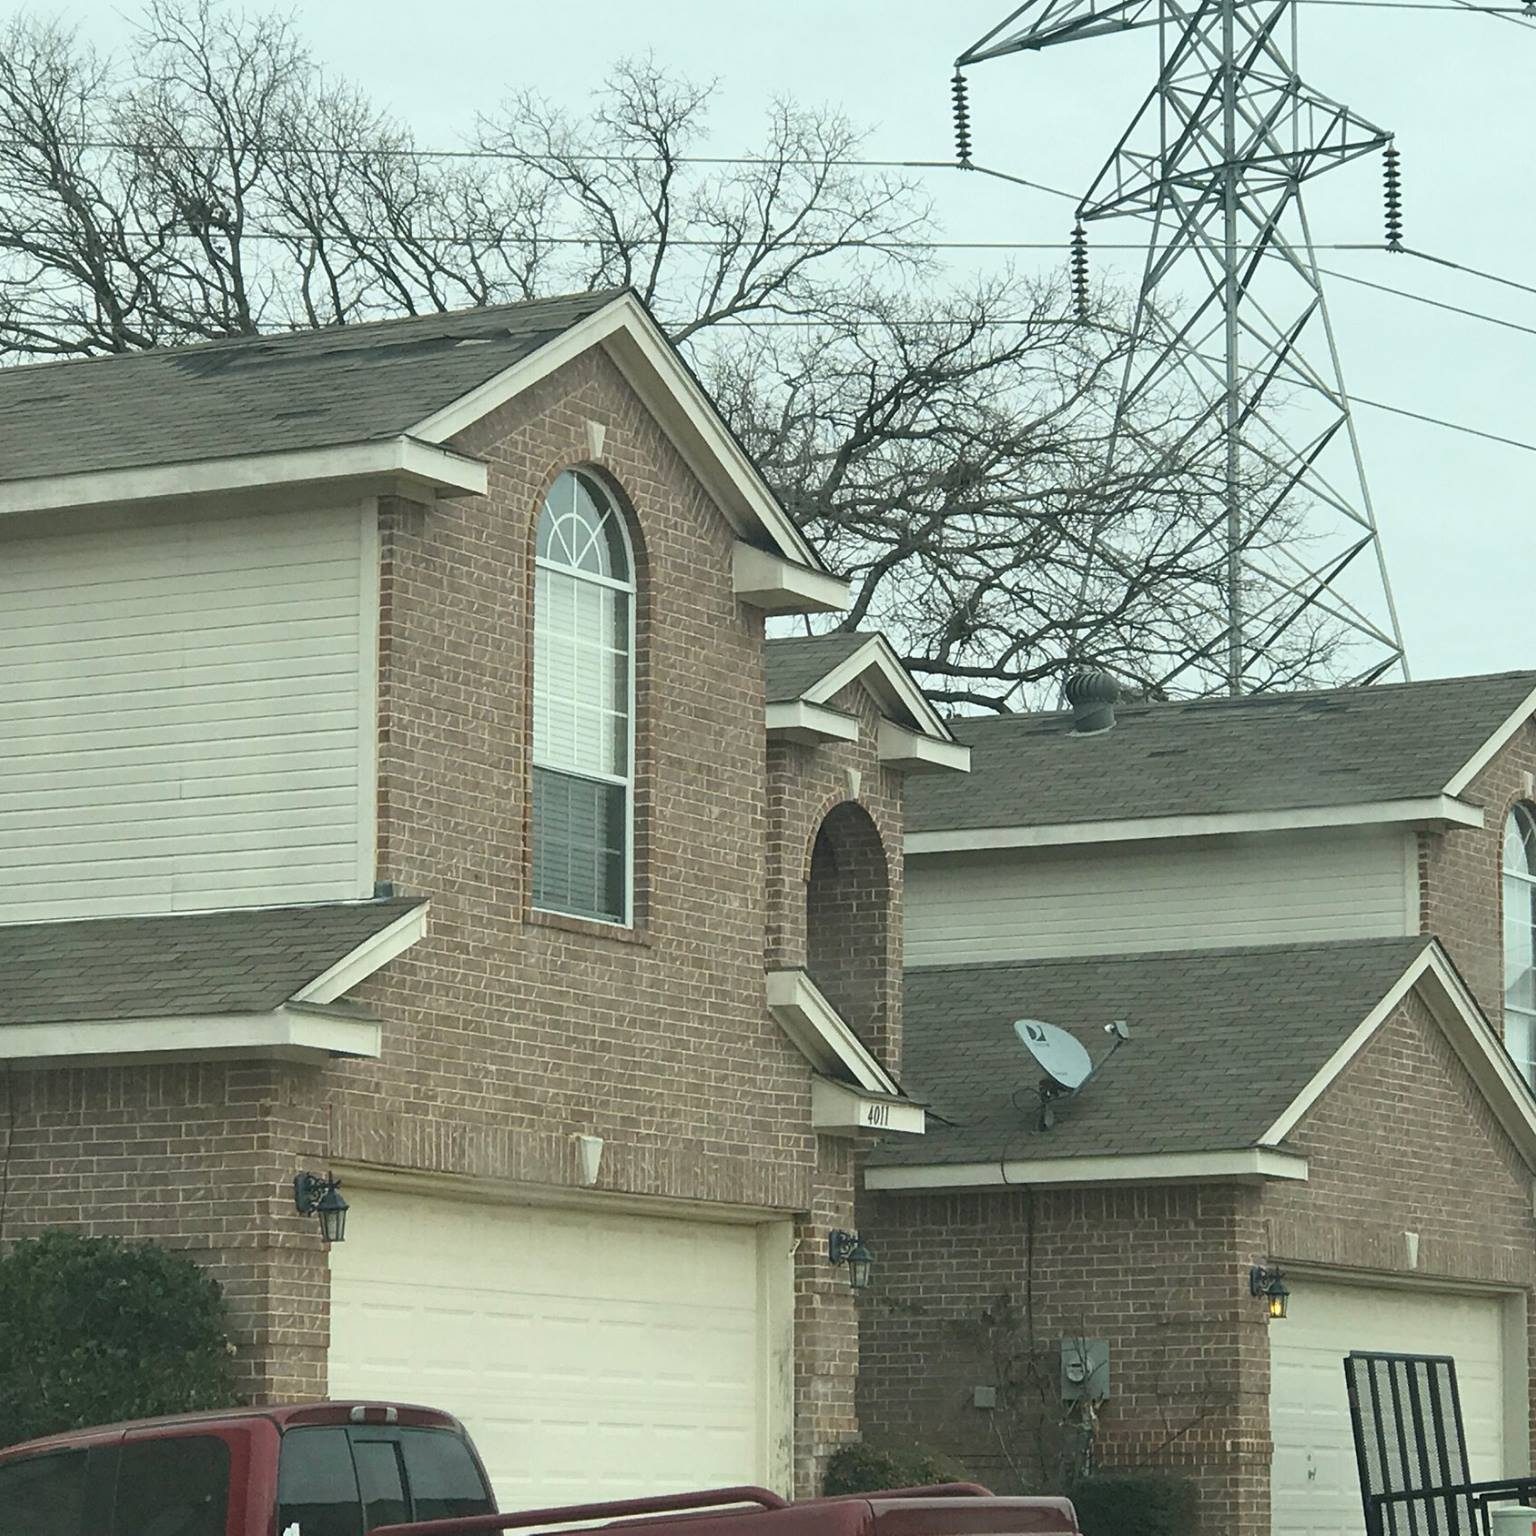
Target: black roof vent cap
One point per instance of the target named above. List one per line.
(1092, 696)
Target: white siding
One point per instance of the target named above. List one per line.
(186, 715)
(1123, 898)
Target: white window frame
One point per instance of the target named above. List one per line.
(1525, 877)
(631, 589)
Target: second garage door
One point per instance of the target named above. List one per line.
(1315, 1489)
(592, 1355)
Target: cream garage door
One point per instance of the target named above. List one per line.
(1315, 1489)
(592, 1355)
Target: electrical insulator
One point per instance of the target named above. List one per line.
(1080, 272)
(962, 110)
(1392, 181)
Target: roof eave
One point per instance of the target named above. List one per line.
(399, 465)
(1426, 813)
(1243, 1165)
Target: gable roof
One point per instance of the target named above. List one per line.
(380, 401)
(203, 964)
(1228, 1049)
(1268, 752)
(817, 667)
(251, 394)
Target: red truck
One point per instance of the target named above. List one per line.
(391, 1469)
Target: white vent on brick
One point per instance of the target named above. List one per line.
(182, 718)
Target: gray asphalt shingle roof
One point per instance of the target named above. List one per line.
(1269, 751)
(1221, 1041)
(794, 663)
(160, 967)
(260, 394)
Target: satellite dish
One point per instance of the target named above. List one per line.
(1063, 1059)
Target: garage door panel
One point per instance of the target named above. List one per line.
(590, 1354)
(1315, 1484)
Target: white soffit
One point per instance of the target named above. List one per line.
(777, 585)
(397, 463)
(915, 752)
(284, 1034)
(1435, 811)
(838, 1110)
(652, 367)
(822, 1034)
(1470, 1034)
(1246, 1165)
(1485, 753)
(809, 724)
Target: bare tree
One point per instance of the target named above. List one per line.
(947, 446)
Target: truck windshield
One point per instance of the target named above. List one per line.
(344, 1482)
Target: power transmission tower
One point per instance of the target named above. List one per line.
(1232, 302)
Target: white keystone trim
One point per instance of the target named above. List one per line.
(288, 1034)
(369, 956)
(838, 1110)
(808, 724)
(1470, 1034)
(650, 364)
(777, 585)
(916, 752)
(822, 1034)
(1435, 811)
(1247, 1165)
(1484, 754)
(399, 462)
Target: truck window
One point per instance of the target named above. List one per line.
(172, 1487)
(379, 1480)
(43, 1495)
(443, 1476)
(316, 1485)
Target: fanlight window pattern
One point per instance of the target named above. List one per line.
(1520, 939)
(583, 705)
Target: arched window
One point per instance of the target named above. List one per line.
(583, 705)
(1520, 939)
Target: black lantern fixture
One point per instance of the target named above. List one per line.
(1270, 1284)
(316, 1196)
(848, 1248)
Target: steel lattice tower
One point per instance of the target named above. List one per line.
(1231, 302)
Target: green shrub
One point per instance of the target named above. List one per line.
(860, 1468)
(93, 1330)
(1134, 1504)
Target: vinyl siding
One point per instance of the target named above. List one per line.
(185, 715)
(1020, 904)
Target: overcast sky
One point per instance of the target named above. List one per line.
(1455, 512)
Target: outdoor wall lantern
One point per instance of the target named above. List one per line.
(1270, 1284)
(848, 1248)
(316, 1196)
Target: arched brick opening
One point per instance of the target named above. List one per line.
(847, 922)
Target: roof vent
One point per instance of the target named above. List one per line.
(1092, 696)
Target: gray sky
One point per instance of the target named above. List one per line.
(1455, 512)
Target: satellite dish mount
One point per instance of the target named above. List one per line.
(1064, 1061)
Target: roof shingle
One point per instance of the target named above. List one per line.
(794, 663)
(1221, 1042)
(1268, 751)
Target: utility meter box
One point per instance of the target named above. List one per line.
(1084, 1370)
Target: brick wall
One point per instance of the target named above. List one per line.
(1401, 1142)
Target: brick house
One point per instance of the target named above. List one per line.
(1315, 913)
(395, 780)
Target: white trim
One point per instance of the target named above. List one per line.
(1470, 1034)
(369, 956)
(821, 1033)
(368, 701)
(916, 752)
(808, 724)
(777, 585)
(1480, 759)
(1248, 1165)
(396, 463)
(838, 1110)
(285, 1034)
(1431, 813)
(1412, 896)
(669, 391)
(899, 690)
